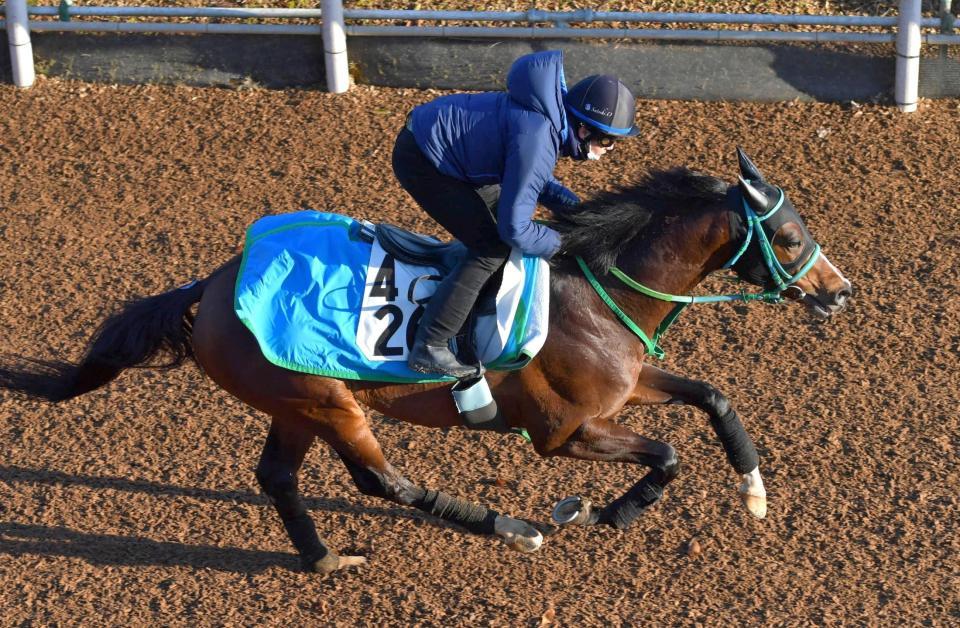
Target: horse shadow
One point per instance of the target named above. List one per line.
(20, 539)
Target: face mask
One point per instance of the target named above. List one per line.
(602, 140)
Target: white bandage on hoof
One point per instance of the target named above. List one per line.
(518, 535)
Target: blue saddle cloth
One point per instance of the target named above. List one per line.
(321, 297)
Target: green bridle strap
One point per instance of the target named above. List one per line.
(770, 297)
(651, 344)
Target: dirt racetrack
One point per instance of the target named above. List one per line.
(137, 504)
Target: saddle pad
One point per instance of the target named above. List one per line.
(322, 297)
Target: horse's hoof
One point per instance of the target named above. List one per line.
(753, 494)
(518, 535)
(331, 562)
(573, 511)
(756, 504)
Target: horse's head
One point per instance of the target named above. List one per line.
(776, 250)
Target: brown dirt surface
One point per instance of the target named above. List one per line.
(137, 504)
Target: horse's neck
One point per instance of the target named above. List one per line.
(673, 263)
(679, 258)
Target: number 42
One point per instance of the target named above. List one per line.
(384, 286)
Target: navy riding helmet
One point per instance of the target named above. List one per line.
(604, 104)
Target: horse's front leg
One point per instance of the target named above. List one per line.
(657, 386)
(603, 440)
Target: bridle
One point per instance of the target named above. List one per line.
(778, 275)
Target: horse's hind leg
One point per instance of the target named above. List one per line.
(386, 483)
(351, 437)
(283, 453)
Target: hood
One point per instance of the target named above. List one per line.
(536, 81)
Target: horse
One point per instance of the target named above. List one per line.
(629, 258)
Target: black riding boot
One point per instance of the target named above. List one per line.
(444, 316)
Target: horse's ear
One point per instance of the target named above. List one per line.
(758, 201)
(747, 169)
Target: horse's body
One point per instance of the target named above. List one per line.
(567, 398)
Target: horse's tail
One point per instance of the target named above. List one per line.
(134, 336)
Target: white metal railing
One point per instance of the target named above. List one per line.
(908, 56)
(542, 25)
(225, 12)
(21, 50)
(558, 21)
(556, 18)
(335, 47)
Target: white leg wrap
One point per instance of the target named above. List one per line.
(753, 484)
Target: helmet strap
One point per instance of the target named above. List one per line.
(582, 144)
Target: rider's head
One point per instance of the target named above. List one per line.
(600, 110)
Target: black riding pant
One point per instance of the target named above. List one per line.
(468, 214)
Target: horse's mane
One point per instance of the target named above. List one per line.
(603, 226)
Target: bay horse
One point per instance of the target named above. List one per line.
(628, 258)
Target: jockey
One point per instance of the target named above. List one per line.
(478, 164)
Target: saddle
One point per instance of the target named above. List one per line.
(420, 250)
(473, 399)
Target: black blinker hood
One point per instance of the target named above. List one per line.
(751, 266)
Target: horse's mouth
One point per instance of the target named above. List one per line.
(821, 311)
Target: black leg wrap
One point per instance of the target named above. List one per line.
(624, 510)
(476, 519)
(300, 527)
(389, 485)
(303, 533)
(281, 488)
(740, 450)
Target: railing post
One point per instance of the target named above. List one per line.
(946, 27)
(21, 51)
(335, 47)
(908, 56)
(946, 17)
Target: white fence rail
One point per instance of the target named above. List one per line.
(908, 37)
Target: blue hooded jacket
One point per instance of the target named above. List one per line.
(510, 138)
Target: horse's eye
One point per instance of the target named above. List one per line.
(793, 244)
